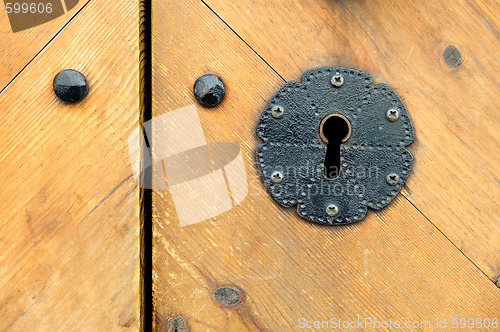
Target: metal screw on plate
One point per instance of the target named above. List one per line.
(392, 114)
(70, 85)
(337, 80)
(277, 112)
(209, 90)
(332, 210)
(276, 177)
(393, 179)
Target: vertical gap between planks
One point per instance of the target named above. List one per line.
(146, 206)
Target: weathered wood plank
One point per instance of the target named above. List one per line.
(19, 48)
(70, 223)
(394, 265)
(454, 109)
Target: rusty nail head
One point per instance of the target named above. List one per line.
(177, 323)
(228, 296)
(452, 56)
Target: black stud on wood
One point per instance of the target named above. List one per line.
(70, 85)
(209, 90)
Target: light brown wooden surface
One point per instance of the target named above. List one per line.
(393, 265)
(454, 110)
(19, 48)
(69, 226)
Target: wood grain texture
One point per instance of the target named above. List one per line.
(393, 265)
(19, 48)
(454, 110)
(69, 226)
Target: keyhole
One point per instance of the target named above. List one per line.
(334, 130)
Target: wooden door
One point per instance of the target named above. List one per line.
(72, 232)
(70, 207)
(431, 255)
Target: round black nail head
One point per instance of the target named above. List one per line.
(209, 90)
(70, 85)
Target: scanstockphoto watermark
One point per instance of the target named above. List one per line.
(204, 178)
(313, 170)
(373, 323)
(294, 185)
(27, 14)
(211, 176)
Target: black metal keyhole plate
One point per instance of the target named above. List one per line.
(374, 162)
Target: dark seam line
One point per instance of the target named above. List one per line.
(45, 46)
(107, 196)
(446, 237)
(237, 35)
(147, 194)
